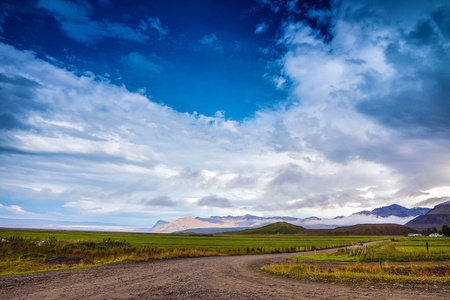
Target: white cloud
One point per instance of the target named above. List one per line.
(140, 63)
(211, 42)
(280, 81)
(75, 19)
(357, 219)
(100, 149)
(155, 23)
(14, 209)
(340, 84)
(261, 28)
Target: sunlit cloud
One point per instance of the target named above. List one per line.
(364, 123)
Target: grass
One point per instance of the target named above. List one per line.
(429, 274)
(403, 261)
(402, 250)
(22, 253)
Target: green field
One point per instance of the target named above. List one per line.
(404, 260)
(396, 250)
(22, 253)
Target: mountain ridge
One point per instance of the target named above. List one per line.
(387, 214)
(396, 210)
(436, 217)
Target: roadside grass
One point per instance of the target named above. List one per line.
(402, 261)
(426, 274)
(25, 252)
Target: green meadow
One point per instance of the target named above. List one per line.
(24, 252)
(393, 250)
(404, 260)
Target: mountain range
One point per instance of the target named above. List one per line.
(417, 218)
(387, 214)
(395, 210)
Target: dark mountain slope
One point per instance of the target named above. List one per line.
(364, 229)
(438, 216)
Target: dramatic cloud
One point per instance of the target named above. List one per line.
(364, 123)
(376, 89)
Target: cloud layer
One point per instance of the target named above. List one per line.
(74, 20)
(366, 124)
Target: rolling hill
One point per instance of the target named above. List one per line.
(364, 229)
(276, 228)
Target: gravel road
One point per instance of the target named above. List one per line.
(231, 277)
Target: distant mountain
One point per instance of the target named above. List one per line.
(215, 224)
(436, 217)
(276, 228)
(187, 224)
(395, 210)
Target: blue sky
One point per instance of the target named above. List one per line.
(133, 112)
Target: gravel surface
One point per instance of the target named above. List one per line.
(232, 277)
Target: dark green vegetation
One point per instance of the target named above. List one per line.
(446, 230)
(276, 228)
(402, 261)
(23, 252)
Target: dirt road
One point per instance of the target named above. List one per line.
(232, 277)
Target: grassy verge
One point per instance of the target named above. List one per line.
(402, 261)
(429, 274)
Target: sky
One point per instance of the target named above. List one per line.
(131, 112)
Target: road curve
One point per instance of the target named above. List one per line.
(230, 277)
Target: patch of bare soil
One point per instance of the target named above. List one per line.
(232, 277)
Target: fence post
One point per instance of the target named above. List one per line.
(381, 266)
(427, 248)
